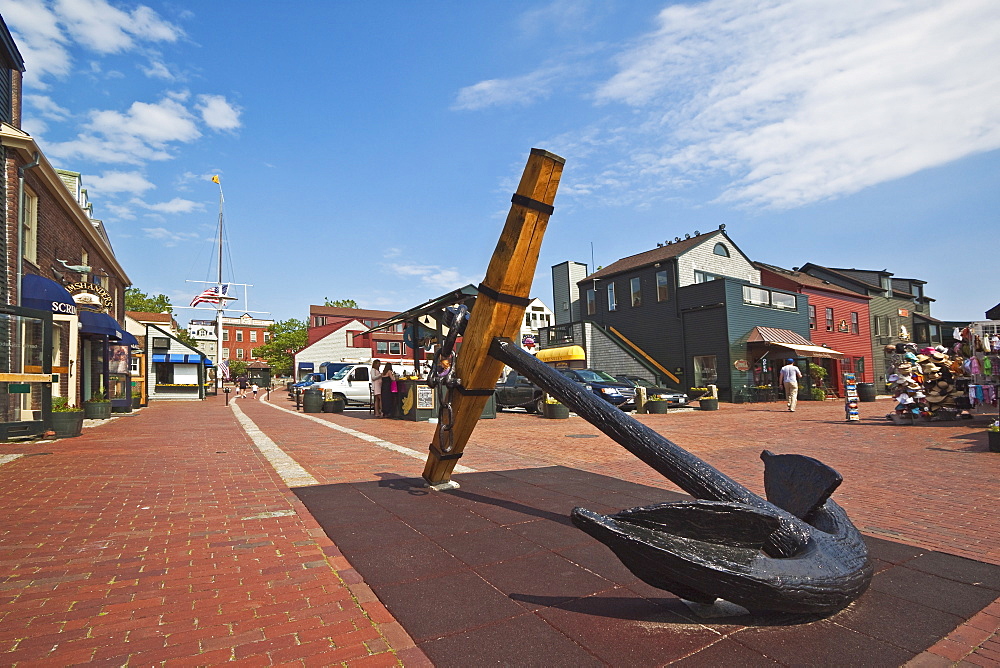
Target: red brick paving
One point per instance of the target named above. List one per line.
(130, 544)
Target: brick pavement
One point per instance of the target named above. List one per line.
(166, 535)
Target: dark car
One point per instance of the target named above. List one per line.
(517, 391)
(604, 385)
(672, 397)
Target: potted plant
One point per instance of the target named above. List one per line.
(818, 375)
(554, 410)
(657, 405)
(993, 434)
(67, 420)
(98, 408)
(709, 401)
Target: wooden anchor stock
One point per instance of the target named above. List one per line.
(498, 311)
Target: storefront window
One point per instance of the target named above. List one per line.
(705, 371)
(118, 370)
(21, 351)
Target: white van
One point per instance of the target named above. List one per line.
(353, 383)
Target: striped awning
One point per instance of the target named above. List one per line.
(785, 338)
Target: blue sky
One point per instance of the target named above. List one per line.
(368, 150)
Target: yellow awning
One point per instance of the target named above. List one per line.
(563, 354)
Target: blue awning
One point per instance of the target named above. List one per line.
(129, 340)
(46, 295)
(208, 362)
(305, 366)
(100, 324)
(159, 358)
(177, 359)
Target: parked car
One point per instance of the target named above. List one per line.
(353, 383)
(603, 385)
(517, 391)
(672, 397)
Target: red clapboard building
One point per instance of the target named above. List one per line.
(838, 319)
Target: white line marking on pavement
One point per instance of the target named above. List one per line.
(374, 440)
(290, 470)
(9, 458)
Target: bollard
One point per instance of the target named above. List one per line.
(226, 390)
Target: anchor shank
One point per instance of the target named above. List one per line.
(693, 475)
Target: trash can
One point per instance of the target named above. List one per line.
(312, 401)
(866, 391)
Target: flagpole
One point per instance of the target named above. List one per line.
(221, 305)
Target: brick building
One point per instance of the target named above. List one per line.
(58, 260)
(241, 335)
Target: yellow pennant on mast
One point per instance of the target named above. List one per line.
(215, 179)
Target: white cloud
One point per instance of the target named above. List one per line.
(169, 237)
(176, 205)
(432, 275)
(47, 31)
(218, 113)
(45, 106)
(145, 132)
(803, 100)
(155, 124)
(520, 90)
(118, 182)
(101, 27)
(157, 70)
(42, 43)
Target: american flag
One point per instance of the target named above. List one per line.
(212, 295)
(224, 369)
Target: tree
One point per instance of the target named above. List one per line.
(341, 303)
(237, 368)
(184, 336)
(287, 338)
(137, 300)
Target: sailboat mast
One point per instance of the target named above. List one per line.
(221, 305)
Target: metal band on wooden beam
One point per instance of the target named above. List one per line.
(529, 203)
(446, 456)
(473, 393)
(502, 297)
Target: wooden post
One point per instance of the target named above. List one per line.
(498, 311)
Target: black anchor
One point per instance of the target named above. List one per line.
(796, 552)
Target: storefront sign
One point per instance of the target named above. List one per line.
(741, 365)
(91, 295)
(903, 313)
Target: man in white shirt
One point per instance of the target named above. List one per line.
(790, 375)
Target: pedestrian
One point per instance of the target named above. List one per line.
(388, 385)
(255, 387)
(377, 388)
(790, 375)
(243, 386)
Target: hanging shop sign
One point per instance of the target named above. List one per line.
(741, 365)
(91, 296)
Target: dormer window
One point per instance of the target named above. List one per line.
(720, 249)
